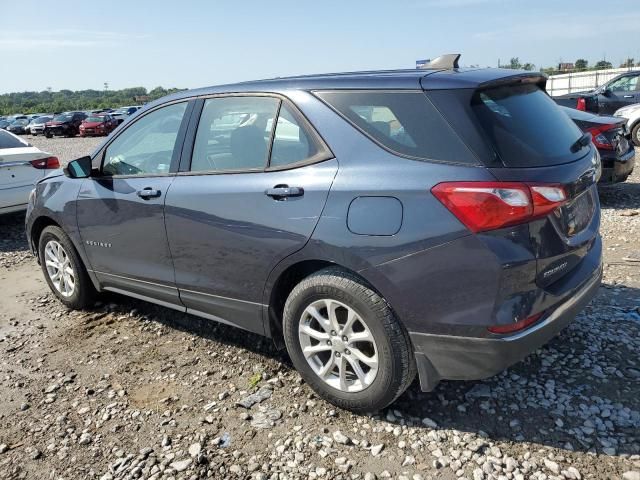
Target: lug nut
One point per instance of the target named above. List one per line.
(347, 352)
(344, 338)
(333, 333)
(329, 342)
(337, 354)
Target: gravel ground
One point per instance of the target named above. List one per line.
(131, 390)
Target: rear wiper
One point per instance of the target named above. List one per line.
(582, 142)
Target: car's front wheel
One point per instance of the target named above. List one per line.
(346, 342)
(63, 269)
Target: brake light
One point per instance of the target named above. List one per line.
(581, 104)
(483, 206)
(516, 326)
(599, 139)
(45, 163)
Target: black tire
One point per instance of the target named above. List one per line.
(84, 292)
(48, 135)
(396, 364)
(635, 134)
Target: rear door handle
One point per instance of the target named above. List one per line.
(149, 193)
(284, 191)
(628, 96)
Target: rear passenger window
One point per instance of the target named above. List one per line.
(234, 134)
(292, 143)
(404, 122)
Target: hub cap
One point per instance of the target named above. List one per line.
(338, 345)
(59, 268)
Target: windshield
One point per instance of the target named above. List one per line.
(41, 120)
(525, 127)
(94, 118)
(62, 118)
(22, 121)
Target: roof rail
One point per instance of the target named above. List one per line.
(446, 61)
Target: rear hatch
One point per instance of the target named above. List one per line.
(520, 135)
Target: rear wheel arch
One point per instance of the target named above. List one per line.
(287, 280)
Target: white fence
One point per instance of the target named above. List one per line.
(579, 81)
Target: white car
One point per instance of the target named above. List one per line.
(21, 166)
(632, 114)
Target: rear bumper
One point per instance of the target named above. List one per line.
(440, 357)
(617, 169)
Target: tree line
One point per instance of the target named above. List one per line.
(67, 100)
(580, 65)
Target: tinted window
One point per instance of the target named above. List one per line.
(146, 146)
(292, 142)
(9, 141)
(525, 126)
(403, 122)
(234, 133)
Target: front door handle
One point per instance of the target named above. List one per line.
(149, 192)
(280, 192)
(628, 96)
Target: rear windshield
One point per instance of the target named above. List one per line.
(404, 122)
(525, 127)
(9, 141)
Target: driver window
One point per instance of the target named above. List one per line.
(146, 147)
(625, 84)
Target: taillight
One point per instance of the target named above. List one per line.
(515, 326)
(483, 206)
(581, 104)
(45, 163)
(599, 139)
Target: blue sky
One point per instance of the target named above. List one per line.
(78, 45)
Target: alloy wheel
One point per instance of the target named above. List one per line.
(338, 345)
(59, 268)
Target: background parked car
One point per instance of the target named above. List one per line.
(21, 166)
(36, 126)
(621, 91)
(123, 112)
(66, 124)
(18, 126)
(98, 125)
(613, 141)
(632, 115)
(4, 124)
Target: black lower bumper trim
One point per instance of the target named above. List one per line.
(444, 357)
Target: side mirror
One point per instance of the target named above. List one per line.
(79, 168)
(606, 92)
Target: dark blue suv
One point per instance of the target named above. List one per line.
(443, 221)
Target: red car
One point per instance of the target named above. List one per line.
(102, 124)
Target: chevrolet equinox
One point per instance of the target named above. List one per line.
(442, 221)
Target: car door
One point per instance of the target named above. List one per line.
(251, 194)
(120, 211)
(17, 173)
(619, 93)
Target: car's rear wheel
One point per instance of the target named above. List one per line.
(346, 342)
(63, 269)
(635, 134)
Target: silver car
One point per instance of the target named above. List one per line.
(632, 114)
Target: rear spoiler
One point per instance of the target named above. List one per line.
(536, 78)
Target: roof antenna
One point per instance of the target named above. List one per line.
(446, 61)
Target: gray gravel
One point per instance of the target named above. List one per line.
(130, 390)
(66, 149)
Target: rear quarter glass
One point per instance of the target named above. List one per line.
(403, 122)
